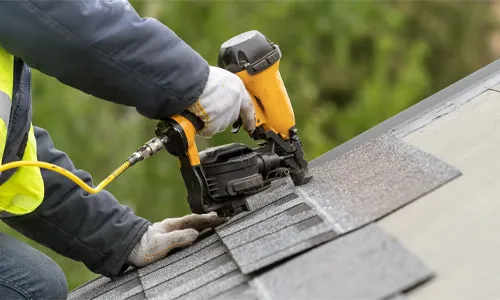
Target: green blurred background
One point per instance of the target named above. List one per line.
(347, 66)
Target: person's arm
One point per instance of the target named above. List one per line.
(94, 229)
(104, 48)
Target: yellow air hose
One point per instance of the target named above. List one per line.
(68, 174)
(147, 150)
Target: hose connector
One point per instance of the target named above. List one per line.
(145, 151)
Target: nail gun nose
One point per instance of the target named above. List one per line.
(267, 162)
(282, 158)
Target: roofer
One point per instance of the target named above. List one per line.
(106, 49)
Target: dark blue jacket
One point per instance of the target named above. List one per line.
(103, 48)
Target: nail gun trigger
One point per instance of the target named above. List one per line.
(237, 125)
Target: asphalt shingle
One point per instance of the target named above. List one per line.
(265, 204)
(128, 284)
(251, 256)
(290, 217)
(365, 264)
(349, 192)
(182, 266)
(260, 214)
(241, 292)
(140, 296)
(372, 180)
(233, 285)
(124, 291)
(205, 240)
(206, 274)
(273, 232)
(357, 188)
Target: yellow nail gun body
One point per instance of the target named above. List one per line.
(221, 178)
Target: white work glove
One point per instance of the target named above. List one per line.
(162, 237)
(223, 100)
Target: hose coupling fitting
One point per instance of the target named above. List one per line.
(145, 151)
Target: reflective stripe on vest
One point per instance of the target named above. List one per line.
(24, 190)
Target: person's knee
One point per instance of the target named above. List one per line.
(46, 280)
(53, 284)
(29, 272)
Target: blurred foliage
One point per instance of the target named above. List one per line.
(347, 66)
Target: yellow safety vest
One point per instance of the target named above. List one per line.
(23, 191)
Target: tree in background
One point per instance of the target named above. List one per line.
(347, 66)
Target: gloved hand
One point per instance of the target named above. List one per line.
(164, 236)
(223, 100)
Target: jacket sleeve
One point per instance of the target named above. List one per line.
(94, 229)
(104, 48)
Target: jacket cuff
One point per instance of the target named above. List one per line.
(168, 110)
(119, 266)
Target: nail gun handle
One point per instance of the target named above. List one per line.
(195, 121)
(253, 58)
(178, 134)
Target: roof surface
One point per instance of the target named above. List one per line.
(455, 229)
(371, 224)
